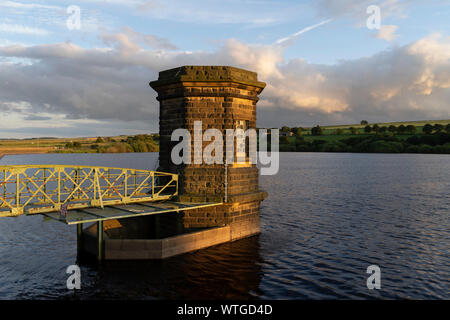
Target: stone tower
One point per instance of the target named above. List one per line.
(221, 97)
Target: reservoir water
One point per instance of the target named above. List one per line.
(327, 218)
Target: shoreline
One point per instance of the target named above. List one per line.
(30, 153)
(19, 153)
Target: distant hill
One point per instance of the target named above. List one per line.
(420, 123)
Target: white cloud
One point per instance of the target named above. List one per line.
(111, 84)
(356, 9)
(19, 5)
(130, 40)
(246, 13)
(16, 16)
(287, 40)
(387, 32)
(21, 29)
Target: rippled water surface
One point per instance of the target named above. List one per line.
(328, 217)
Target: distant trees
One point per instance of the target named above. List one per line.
(376, 128)
(388, 131)
(433, 138)
(137, 143)
(284, 140)
(438, 127)
(142, 143)
(317, 131)
(70, 145)
(392, 128)
(411, 129)
(364, 122)
(428, 128)
(419, 143)
(401, 129)
(298, 132)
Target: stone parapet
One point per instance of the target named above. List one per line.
(207, 74)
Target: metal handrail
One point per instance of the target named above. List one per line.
(33, 189)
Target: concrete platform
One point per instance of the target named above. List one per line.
(153, 249)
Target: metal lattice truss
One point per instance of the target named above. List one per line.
(48, 188)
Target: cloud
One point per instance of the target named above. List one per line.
(19, 5)
(247, 13)
(289, 39)
(357, 8)
(33, 117)
(148, 6)
(333, 8)
(17, 18)
(356, 12)
(110, 85)
(20, 29)
(130, 39)
(387, 32)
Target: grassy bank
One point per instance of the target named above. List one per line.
(405, 137)
(117, 144)
(410, 137)
(418, 124)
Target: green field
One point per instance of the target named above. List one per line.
(388, 137)
(116, 144)
(330, 130)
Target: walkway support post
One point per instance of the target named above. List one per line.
(99, 240)
(79, 237)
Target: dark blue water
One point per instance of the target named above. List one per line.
(328, 217)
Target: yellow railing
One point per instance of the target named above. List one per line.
(35, 189)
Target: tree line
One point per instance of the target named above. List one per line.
(137, 143)
(370, 138)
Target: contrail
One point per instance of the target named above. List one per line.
(292, 36)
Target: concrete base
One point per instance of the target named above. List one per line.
(138, 249)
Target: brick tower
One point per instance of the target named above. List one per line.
(221, 97)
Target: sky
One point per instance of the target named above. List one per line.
(325, 61)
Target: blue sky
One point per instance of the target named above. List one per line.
(337, 72)
(202, 25)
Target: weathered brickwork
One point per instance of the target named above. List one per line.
(220, 97)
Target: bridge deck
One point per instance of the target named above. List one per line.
(125, 211)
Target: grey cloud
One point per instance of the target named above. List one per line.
(130, 39)
(356, 10)
(338, 8)
(32, 117)
(399, 84)
(405, 83)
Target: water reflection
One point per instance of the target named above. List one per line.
(327, 218)
(228, 271)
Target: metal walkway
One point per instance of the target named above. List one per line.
(56, 188)
(79, 194)
(80, 216)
